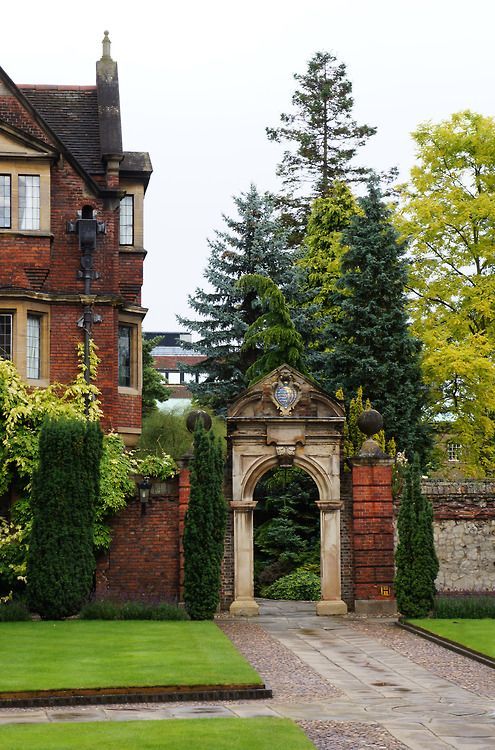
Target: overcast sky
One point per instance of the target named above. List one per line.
(200, 81)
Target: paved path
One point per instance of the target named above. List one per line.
(423, 711)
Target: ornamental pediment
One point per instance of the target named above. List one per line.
(286, 393)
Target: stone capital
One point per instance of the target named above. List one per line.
(329, 506)
(243, 507)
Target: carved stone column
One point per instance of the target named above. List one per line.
(331, 602)
(244, 603)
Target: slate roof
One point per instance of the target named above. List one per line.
(72, 113)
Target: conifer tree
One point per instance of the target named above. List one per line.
(253, 243)
(61, 559)
(415, 557)
(272, 335)
(318, 268)
(322, 135)
(371, 343)
(204, 529)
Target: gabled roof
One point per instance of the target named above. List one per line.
(72, 113)
(41, 127)
(82, 122)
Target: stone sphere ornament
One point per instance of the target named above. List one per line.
(198, 415)
(370, 422)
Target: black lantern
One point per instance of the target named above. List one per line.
(144, 487)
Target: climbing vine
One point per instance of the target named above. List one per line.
(22, 413)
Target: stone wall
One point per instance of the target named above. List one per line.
(464, 529)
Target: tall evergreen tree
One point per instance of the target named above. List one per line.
(204, 529)
(273, 334)
(372, 344)
(415, 558)
(321, 132)
(254, 243)
(61, 558)
(312, 292)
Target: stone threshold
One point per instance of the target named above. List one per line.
(98, 696)
(446, 643)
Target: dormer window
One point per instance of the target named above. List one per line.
(127, 220)
(5, 201)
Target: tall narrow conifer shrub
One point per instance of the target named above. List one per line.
(61, 559)
(415, 558)
(204, 528)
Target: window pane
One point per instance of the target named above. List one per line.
(33, 346)
(454, 451)
(125, 356)
(29, 201)
(6, 335)
(174, 378)
(127, 220)
(5, 201)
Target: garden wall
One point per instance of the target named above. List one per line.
(143, 562)
(464, 529)
(145, 558)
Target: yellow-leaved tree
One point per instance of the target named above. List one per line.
(447, 212)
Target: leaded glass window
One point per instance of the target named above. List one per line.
(127, 220)
(5, 201)
(29, 201)
(6, 335)
(33, 346)
(125, 340)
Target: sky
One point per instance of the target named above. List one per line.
(200, 80)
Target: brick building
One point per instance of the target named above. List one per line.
(63, 172)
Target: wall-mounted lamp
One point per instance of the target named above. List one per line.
(144, 487)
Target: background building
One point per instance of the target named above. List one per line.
(169, 355)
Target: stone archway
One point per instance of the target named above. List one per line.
(285, 420)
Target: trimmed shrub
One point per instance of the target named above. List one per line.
(13, 612)
(415, 558)
(61, 560)
(301, 585)
(464, 607)
(108, 610)
(204, 529)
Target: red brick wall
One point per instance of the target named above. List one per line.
(373, 528)
(143, 560)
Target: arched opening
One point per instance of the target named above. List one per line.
(286, 535)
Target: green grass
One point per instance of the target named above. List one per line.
(478, 635)
(171, 734)
(91, 653)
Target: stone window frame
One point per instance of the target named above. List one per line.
(29, 167)
(20, 311)
(134, 325)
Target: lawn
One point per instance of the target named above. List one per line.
(94, 653)
(478, 635)
(171, 734)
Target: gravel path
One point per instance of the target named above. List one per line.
(460, 670)
(337, 735)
